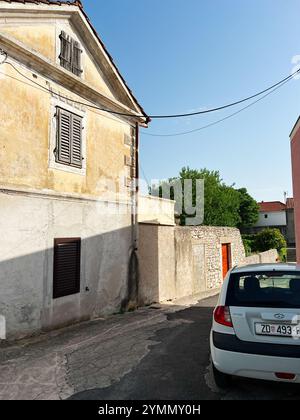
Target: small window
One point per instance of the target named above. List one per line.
(70, 54)
(69, 138)
(66, 271)
(266, 216)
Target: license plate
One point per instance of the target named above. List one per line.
(278, 330)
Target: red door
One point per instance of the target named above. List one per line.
(226, 259)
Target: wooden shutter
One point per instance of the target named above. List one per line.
(76, 144)
(66, 273)
(65, 51)
(76, 58)
(64, 135)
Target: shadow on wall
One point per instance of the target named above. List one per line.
(108, 281)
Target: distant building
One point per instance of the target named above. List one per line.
(272, 215)
(275, 214)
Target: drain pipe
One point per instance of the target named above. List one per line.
(131, 300)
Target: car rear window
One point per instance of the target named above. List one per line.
(264, 289)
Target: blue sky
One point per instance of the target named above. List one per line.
(182, 55)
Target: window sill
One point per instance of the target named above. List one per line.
(66, 168)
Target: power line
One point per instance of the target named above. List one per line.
(220, 108)
(278, 84)
(66, 98)
(218, 121)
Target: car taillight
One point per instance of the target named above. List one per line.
(286, 376)
(222, 316)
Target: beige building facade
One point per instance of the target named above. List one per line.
(67, 170)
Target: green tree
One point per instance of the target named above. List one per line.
(222, 202)
(270, 239)
(248, 211)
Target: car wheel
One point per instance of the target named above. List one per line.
(222, 380)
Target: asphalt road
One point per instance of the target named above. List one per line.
(177, 367)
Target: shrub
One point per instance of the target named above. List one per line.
(270, 239)
(248, 245)
(283, 255)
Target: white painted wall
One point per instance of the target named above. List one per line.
(156, 211)
(274, 219)
(29, 223)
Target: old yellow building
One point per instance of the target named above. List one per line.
(68, 156)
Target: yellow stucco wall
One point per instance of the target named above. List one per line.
(25, 133)
(40, 38)
(43, 39)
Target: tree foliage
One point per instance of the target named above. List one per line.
(248, 211)
(223, 204)
(270, 239)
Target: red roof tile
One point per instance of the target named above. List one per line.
(79, 4)
(271, 206)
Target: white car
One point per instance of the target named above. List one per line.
(256, 325)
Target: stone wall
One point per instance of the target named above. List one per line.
(213, 238)
(268, 257)
(176, 262)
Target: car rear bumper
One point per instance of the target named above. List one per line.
(257, 366)
(231, 343)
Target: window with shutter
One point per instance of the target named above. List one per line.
(66, 270)
(76, 145)
(65, 51)
(64, 136)
(70, 54)
(76, 62)
(69, 138)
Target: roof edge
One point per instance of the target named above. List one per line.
(295, 128)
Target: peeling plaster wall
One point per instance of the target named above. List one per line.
(42, 36)
(41, 199)
(26, 118)
(29, 225)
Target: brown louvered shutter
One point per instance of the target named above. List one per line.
(70, 54)
(76, 58)
(64, 136)
(76, 144)
(66, 271)
(65, 51)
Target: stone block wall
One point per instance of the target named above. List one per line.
(177, 262)
(268, 257)
(212, 238)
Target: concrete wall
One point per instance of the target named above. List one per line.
(28, 225)
(177, 262)
(155, 210)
